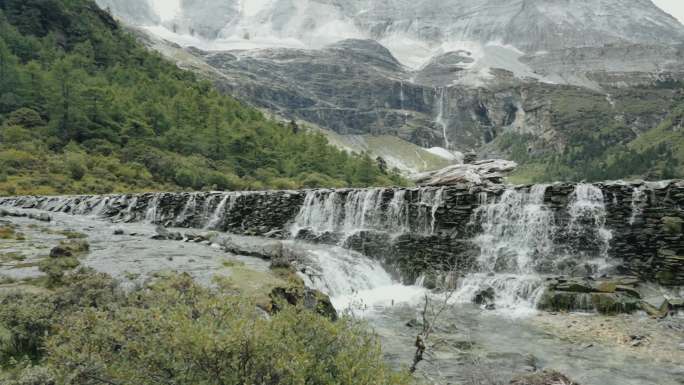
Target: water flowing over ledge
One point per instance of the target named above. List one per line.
(506, 238)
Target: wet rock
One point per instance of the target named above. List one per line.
(40, 217)
(309, 299)
(676, 303)
(672, 225)
(60, 252)
(543, 378)
(70, 248)
(485, 297)
(165, 235)
(575, 286)
(604, 303)
(614, 303)
(414, 323)
(266, 249)
(281, 262)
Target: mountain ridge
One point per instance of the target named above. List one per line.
(487, 96)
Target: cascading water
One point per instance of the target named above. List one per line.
(349, 212)
(219, 213)
(639, 200)
(441, 115)
(354, 282)
(589, 238)
(188, 210)
(152, 208)
(516, 231)
(521, 240)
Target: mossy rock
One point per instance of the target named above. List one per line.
(613, 303)
(309, 299)
(666, 277)
(604, 303)
(607, 287)
(70, 248)
(673, 225)
(553, 300)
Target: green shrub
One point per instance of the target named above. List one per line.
(189, 335)
(27, 320)
(17, 159)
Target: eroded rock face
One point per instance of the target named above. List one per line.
(476, 173)
(417, 230)
(368, 68)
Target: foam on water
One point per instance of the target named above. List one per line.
(345, 213)
(518, 244)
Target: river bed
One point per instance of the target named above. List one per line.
(471, 345)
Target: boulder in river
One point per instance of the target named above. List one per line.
(165, 235)
(309, 299)
(543, 378)
(485, 297)
(606, 295)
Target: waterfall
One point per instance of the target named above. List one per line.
(516, 294)
(638, 203)
(224, 207)
(188, 210)
(522, 239)
(517, 231)
(354, 282)
(340, 272)
(152, 208)
(402, 101)
(441, 115)
(129, 214)
(362, 210)
(101, 206)
(348, 212)
(586, 228)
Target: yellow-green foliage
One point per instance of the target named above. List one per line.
(182, 333)
(10, 232)
(94, 112)
(7, 232)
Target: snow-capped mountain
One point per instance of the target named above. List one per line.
(414, 30)
(437, 73)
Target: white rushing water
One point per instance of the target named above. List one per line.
(516, 231)
(520, 241)
(354, 282)
(326, 211)
(442, 100)
(639, 200)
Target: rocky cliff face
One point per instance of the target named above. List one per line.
(439, 73)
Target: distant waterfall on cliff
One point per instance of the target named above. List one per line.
(347, 212)
(442, 99)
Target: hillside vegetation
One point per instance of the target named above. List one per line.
(84, 108)
(606, 148)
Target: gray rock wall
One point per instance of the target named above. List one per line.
(645, 220)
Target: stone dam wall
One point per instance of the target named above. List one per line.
(557, 229)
